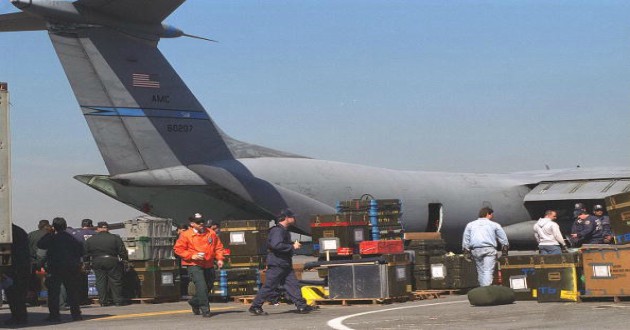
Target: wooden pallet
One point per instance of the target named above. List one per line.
(362, 301)
(431, 294)
(612, 298)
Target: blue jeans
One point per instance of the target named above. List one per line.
(485, 259)
(550, 249)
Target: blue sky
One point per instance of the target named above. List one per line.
(468, 86)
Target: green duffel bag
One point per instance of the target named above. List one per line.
(491, 296)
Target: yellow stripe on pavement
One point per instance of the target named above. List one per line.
(128, 316)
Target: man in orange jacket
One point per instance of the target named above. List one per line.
(199, 247)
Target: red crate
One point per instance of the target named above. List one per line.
(345, 251)
(381, 247)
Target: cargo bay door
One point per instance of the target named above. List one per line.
(562, 196)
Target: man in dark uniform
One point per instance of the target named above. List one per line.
(63, 258)
(85, 232)
(598, 213)
(280, 267)
(106, 251)
(81, 235)
(38, 257)
(588, 230)
(19, 272)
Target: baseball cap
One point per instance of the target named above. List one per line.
(579, 206)
(197, 218)
(102, 224)
(86, 223)
(598, 208)
(286, 213)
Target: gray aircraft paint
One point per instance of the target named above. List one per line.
(166, 157)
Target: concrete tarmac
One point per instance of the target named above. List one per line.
(448, 312)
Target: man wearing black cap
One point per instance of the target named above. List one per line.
(64, 267)
(82, 234)
(280, 267)
(603, 221)
(198, 247)
(106, 252)
(586, 230)
(85, 232)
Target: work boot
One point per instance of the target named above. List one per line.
(206, 314)
(305, 310)
(257, 311)
(53, 318)
(196, 310)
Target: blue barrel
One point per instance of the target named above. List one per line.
(223, 283)
(373, 214)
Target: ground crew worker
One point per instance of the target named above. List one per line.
(548, 235)
(280, 267)
(38, 258)
(85, 232)
(106, 251)
(63, 257)
(598, 213)
(588, 230)
(82, 234)
(19, 273)
(480, 240)
(199, 247)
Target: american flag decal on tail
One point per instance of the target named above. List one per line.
(146, 80)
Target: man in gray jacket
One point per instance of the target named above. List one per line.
(548, 235)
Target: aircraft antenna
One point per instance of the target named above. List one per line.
(197, 37)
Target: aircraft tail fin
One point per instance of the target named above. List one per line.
(140, 112)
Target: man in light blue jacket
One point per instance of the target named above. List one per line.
(480, 240)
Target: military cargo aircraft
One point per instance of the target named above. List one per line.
(168, 158)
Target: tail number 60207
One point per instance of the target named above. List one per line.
(179, 128)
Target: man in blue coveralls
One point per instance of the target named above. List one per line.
(480, 239)
(280, 267)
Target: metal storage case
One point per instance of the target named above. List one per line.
(606, 270)
(453, 272)
(245, 237)
(360, 281)
(558, 277)
(150, 248)
(146, 226)
(154, 279)
(518, 273)
(236, 282)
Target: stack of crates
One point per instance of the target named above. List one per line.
(245, 242)
(383, 214)
(423, 250)
(149, 238)
(154, 270)
(350, 229)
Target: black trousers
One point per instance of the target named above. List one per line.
(109, 274)
(276, 276)
(70, 279)
(16, 296)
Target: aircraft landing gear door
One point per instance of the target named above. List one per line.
(436, 215)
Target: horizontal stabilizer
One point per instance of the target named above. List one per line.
(21, 22)
(136, 11)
